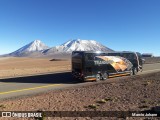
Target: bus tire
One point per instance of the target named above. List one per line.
(131, 72)
(135, 71)
(98, 77)
(105, 76)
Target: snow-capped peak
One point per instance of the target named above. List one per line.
(83, 45)
(80, 45)
(36, 45)
(38, 48)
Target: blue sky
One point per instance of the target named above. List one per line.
(118, 24)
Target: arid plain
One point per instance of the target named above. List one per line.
(135, 93)
(20, 66)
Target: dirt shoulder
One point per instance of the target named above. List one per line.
(136, 93)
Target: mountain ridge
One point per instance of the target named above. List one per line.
(34, 46)
(38, 48)
(79, 45)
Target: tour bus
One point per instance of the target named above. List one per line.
(96, 66)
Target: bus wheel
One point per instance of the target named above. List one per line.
(98, 77)
(131, 72)
(134, 71)
(105, 76)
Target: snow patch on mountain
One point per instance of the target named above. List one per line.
(34, 46)
(37, 48)
(79, 45)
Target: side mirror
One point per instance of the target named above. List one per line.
(143, 60)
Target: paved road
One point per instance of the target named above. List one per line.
(22, 86)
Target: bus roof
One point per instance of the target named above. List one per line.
(89, 52)
(104, 52)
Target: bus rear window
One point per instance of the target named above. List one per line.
(77, 55)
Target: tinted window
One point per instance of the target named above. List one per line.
(114, 54)
(139, 55)
(89, 56)
(128, 55)
(77, 55)
(92, 56)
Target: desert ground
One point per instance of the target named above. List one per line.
(135, 93)
(14, 66)
(152, 60)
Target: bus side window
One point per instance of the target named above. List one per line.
(89, 57)
(131, 56)
(88, 69)
(96, 58)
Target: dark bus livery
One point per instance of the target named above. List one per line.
(89, 65)
(134, 57)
